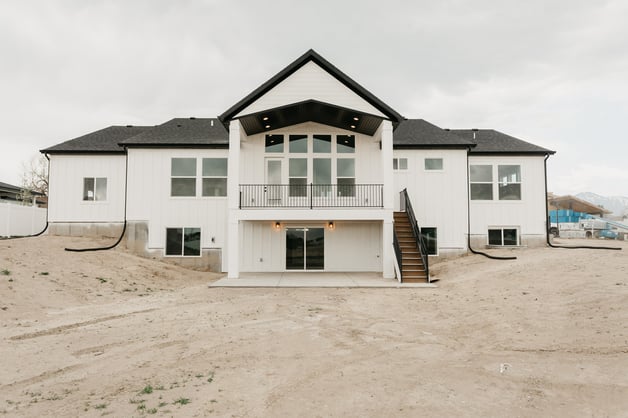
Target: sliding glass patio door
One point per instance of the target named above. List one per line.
(305, 248)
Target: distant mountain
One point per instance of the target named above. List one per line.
(617, 204)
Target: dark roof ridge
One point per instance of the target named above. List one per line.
(310, 55)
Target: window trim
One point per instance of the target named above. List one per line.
(203, 177)
(434, 170)
(435, 238)
(94, 200)
(195, 177)
(183, 228)
(517, 230)
(507, 183)
(397, 164)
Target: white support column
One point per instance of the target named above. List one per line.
(233, 193)
(389, 196)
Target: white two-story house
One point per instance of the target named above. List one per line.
(310, 172)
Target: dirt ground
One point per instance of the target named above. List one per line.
(108, 333)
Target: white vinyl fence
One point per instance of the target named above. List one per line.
(18, 220)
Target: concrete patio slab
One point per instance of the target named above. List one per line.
(302, 279)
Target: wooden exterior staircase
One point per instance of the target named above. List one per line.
(412, 269)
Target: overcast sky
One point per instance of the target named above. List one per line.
(554, 73)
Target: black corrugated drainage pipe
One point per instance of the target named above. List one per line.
(47, 204)
(547, 226)
(82, 250)
(492, 257)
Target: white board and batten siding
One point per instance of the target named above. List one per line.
(66, 202)
(527, 214)
(439, 197)
(307, 83)
(149, 198)
(350, 246)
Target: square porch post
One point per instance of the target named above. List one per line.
(233, 193)
(387, 173)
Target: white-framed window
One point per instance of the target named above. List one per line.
(430, 237)
(433, 164)
(297, 177)
(483, 187)
(183, 177)
(503, 236)
(509, 182)
(481, 181)
(183, 242)
(400, 163)
(345, 175)
(95, 189)
(214, 177)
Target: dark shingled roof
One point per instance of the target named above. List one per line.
(103, 141)
(183, 132)
(490, 141)
(418, 133)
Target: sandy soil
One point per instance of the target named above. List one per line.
(108, 333)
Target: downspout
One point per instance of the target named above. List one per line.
(492, 257)
(126, 176)
(47, 206)
(547, 226)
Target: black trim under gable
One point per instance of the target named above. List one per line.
(208, 146)
(428, 146)
(310, 55)
(84, 152)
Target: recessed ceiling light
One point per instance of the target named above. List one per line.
(356, 118)
(352, 126)
(265, 118)
(267, 126)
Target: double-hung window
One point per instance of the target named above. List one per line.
(214, 177)
(345, 175)
(297, 170)
(183, 241)
(183, 177)
(95, 188)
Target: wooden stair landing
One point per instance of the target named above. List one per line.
(412, 270)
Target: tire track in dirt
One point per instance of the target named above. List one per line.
(60, 329)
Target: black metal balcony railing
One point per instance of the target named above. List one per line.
(311, 196)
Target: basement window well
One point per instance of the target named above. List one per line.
(503, 236)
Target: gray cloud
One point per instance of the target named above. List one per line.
(553, 73)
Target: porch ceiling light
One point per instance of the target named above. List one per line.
(352, 126)
(356, 118)
(267, 126)
(265, 118)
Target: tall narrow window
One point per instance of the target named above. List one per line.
(321, 176)
(481, 179)
(345, 174)
(95, 188)
(274, 143)
(345, 144)
(183, 180)
(430, 237)
(183, 241)
(297, 171)
(214, 177)
(509, 177)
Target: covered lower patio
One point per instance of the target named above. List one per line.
(322, 279)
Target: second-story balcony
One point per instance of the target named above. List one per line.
(311, 196)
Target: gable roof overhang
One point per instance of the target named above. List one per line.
(310, 56)
(310, 111)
